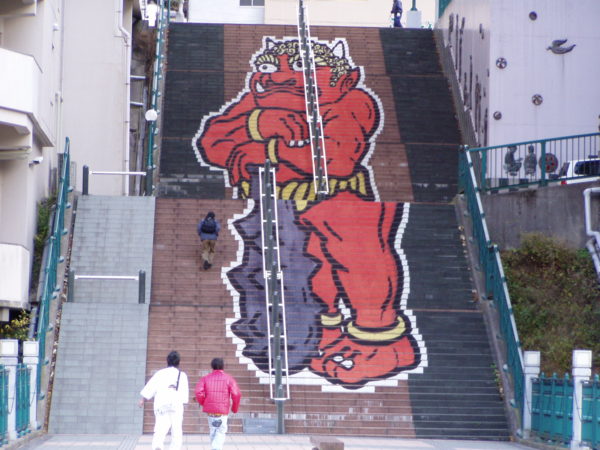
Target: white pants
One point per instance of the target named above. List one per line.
(162, 424)
(217, 428)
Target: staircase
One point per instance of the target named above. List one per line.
(416, 363)
(101, 357)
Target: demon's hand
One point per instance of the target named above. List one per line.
(287, 125)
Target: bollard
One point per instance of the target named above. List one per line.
(142, 287)
(86, 177)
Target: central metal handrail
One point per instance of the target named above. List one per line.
(274, 292)
(85, 185)
(311, 97)
(140, 278)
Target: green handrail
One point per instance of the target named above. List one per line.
(51, 284)
(536, 163)
(495, 280)
(22, 399)
(443, 4)
(155, 93)
(3, 405)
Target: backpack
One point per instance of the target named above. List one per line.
(209, 226)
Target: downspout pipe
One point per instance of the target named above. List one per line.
(594, 235)
(119, 8)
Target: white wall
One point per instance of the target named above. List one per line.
(30, 57)
(568, 83)
(353, 13)
(224, 11)
(359, 13)
(94, 93)
(466, 30)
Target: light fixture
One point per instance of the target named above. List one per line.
(151, 115)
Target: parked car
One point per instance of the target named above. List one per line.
(580, 170)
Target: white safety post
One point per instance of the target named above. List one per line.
(582, 370)
(31, 359)
(531, 369)
(9, 357)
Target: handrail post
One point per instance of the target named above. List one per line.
(71, 286)
(582, 370)
(86, 177)
(31, 350)
(149, 181)
(142, 287)
(543, 167)
(9, 357)
(531, 360)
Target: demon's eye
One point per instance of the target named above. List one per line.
(297, 65)
(267, 68)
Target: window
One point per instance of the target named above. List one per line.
(252, 2)
(587, 168)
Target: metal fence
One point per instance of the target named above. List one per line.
(3, 405)
(537, 163)
(157, 75)
(590, 417)
(551, 409)
(51, 283)
(23, 399)
(495, 280)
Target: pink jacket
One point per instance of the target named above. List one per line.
(214, 392)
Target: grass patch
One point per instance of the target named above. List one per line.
(556, 300)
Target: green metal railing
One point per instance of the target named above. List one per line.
(3, 405)
(551, 409)
(590, 432)
(157, 75)
(23, 396)
(537, 163)
(443, 4)
(51, 283)
(495, 280)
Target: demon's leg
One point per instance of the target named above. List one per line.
(359, 266)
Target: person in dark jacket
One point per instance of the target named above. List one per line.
(208, 230)
(217, 392)
(397, 13)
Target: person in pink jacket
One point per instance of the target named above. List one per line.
(217, 392)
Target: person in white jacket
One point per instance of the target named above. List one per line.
(169, 388)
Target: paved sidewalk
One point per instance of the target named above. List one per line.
(256, 442)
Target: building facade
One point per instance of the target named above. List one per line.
(64, 73)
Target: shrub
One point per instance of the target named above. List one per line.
(16, 328)
(556, 300)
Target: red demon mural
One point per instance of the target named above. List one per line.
(346, 277)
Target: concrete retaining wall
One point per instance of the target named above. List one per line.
(555, 211)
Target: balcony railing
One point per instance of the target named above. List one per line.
(537, 163)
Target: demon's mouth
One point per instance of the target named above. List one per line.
(272, 88)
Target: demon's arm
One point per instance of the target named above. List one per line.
(246, 134)
(226, 141)
(348, 126)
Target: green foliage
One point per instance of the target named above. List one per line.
(556, 300)
(16, 328)
(39, 240)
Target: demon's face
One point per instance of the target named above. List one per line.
(278, 74)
